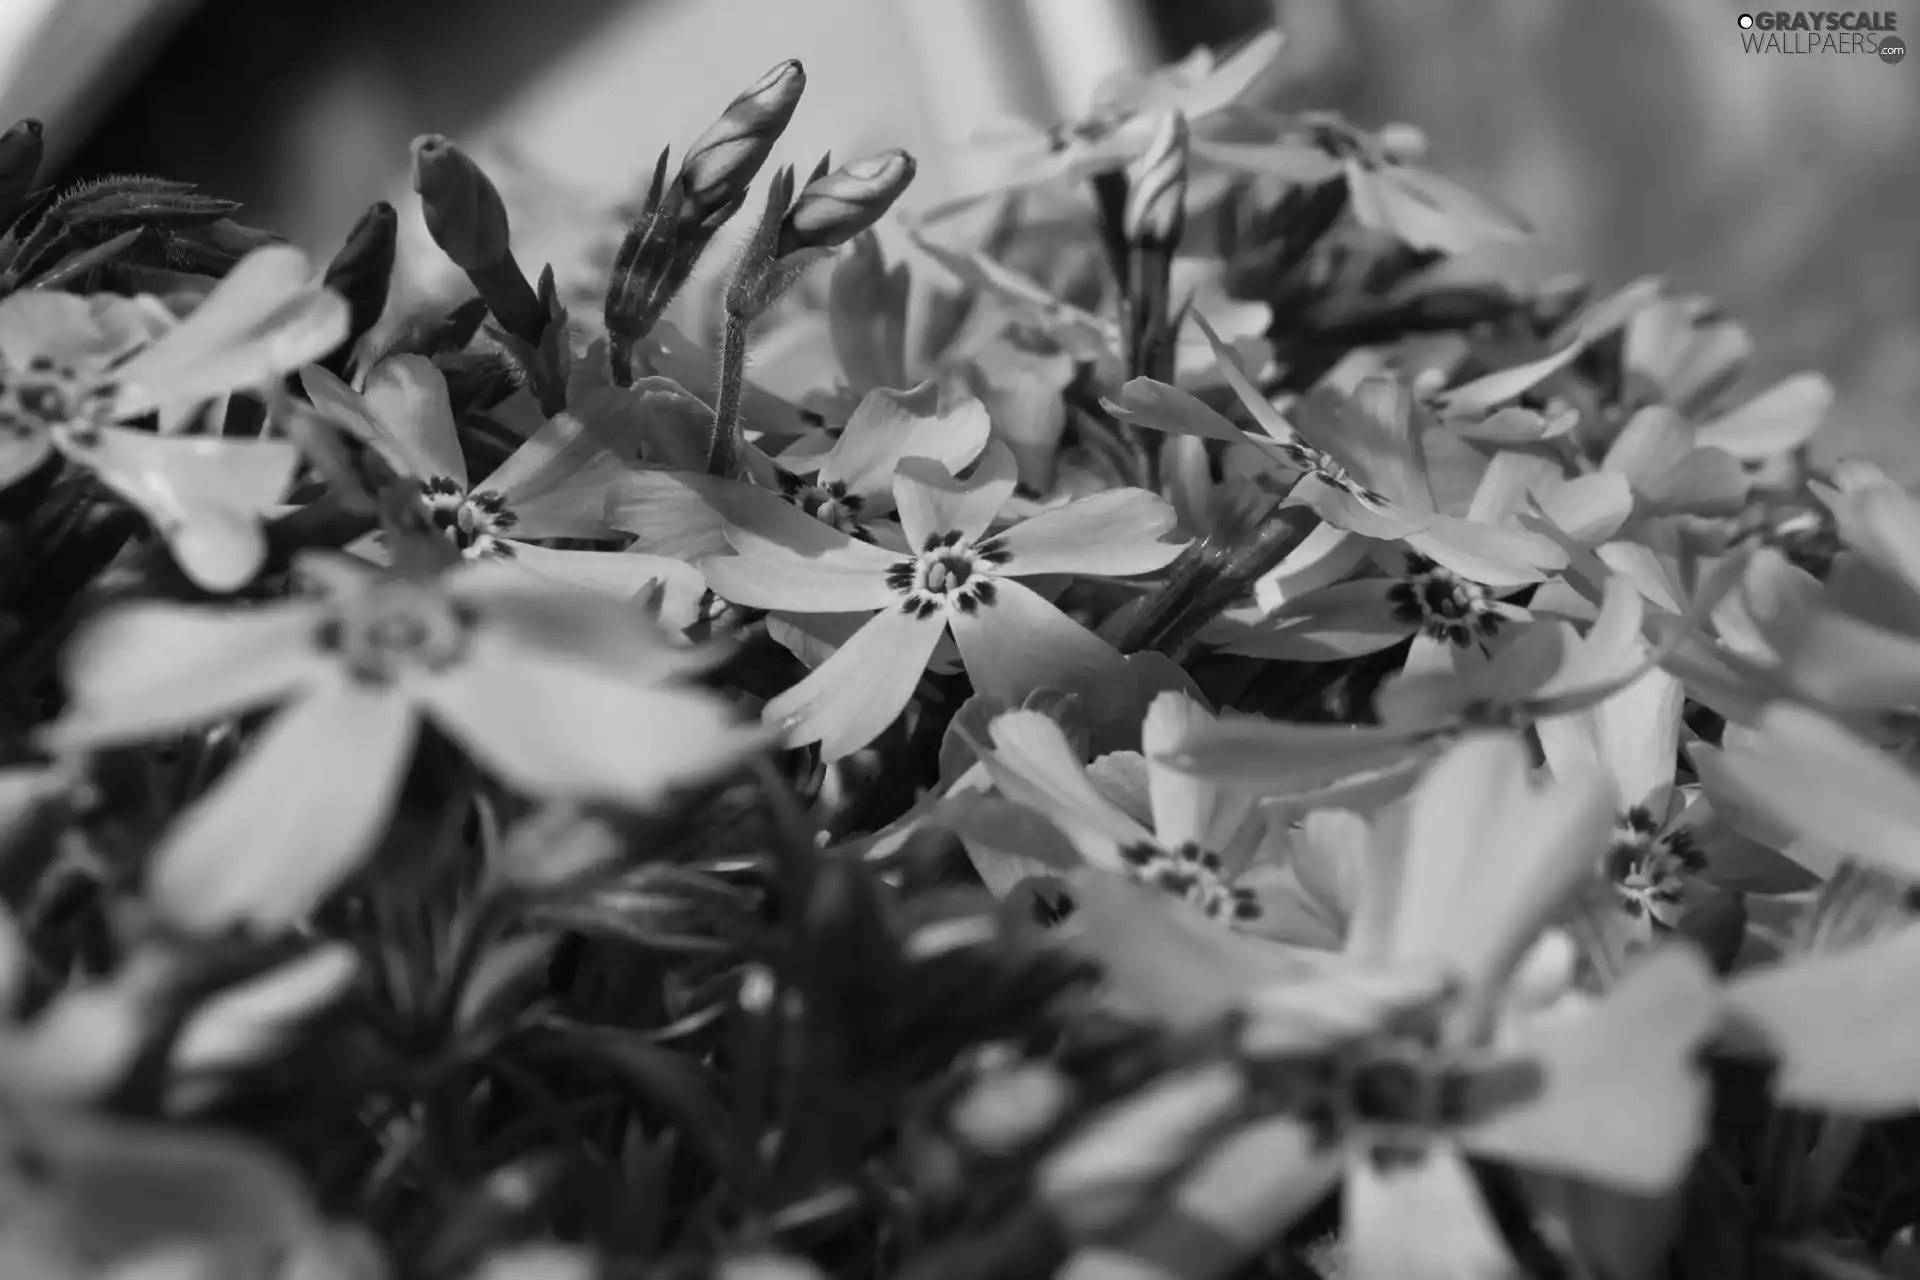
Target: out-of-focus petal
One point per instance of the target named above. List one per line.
(1622, 1098)
(264, 320)
(205, 495)
(627, 575)
(1781, 418)
(293, 818)
(1803, 773)
(1833, 1023)
(1423, 1221)
(1492, 857)
(556, 728)
(146, 669)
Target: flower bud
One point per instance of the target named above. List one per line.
(1156, 210)
(463, 209)
(363, 269)
(21, 150)
(722, 162)
(834, 209)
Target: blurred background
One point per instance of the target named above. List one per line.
(1637, 134)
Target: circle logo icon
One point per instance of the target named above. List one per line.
(1891, 50)
(1746, 22)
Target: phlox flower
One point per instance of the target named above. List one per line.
(1684, 353)
(1129, 814)
(1362, 468)
(1120, 125)
(1671, 852)
(73, 369)
(956, 577)
(1547, 671)
(684, 514)
(1439, 1035)
(555, 485)
(563, 693)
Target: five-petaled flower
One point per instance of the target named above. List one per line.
(73, 369)
(561, 692)
(956, 575)
(555, 485)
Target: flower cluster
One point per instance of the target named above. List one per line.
(1181, 735)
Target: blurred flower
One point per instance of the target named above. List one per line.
(1121, 123)
(73, 367)
(563, 693)
(1433, 1041)
(1011, 639)
(555, 485)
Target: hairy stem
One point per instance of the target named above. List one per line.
(723, 446)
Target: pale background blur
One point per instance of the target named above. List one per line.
(1638, 134)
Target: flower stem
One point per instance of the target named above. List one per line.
(1213, 573)
(723, 446)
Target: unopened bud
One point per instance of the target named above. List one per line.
(834, 209)
(722, 162)
(363, 269)
(1157, 190)
(463, 209)
(21, 150)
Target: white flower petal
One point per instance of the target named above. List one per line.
(1277, 758)
(1163, 960)
(1020, 643)
(1420, 1222)
(1834, 1023)
(619, 635)
(1186, 809)
(1159, 407)
(406, 400)
(1491, 858)
(933, 502)
(926, 422)
(557, 483)
(851, 698)
(146, 669)
(1485, 394)
(1623, 1098)
(1032, 762)
(1588, 509)
(1804, 774)
(1117, 533)
(625, 574)
(1783, 417)
(768, 576)
(205, 495)
(556, 728)
(670, 513)
(1340, 621)
(293, 819)
(264, 320)
(1496, 555)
